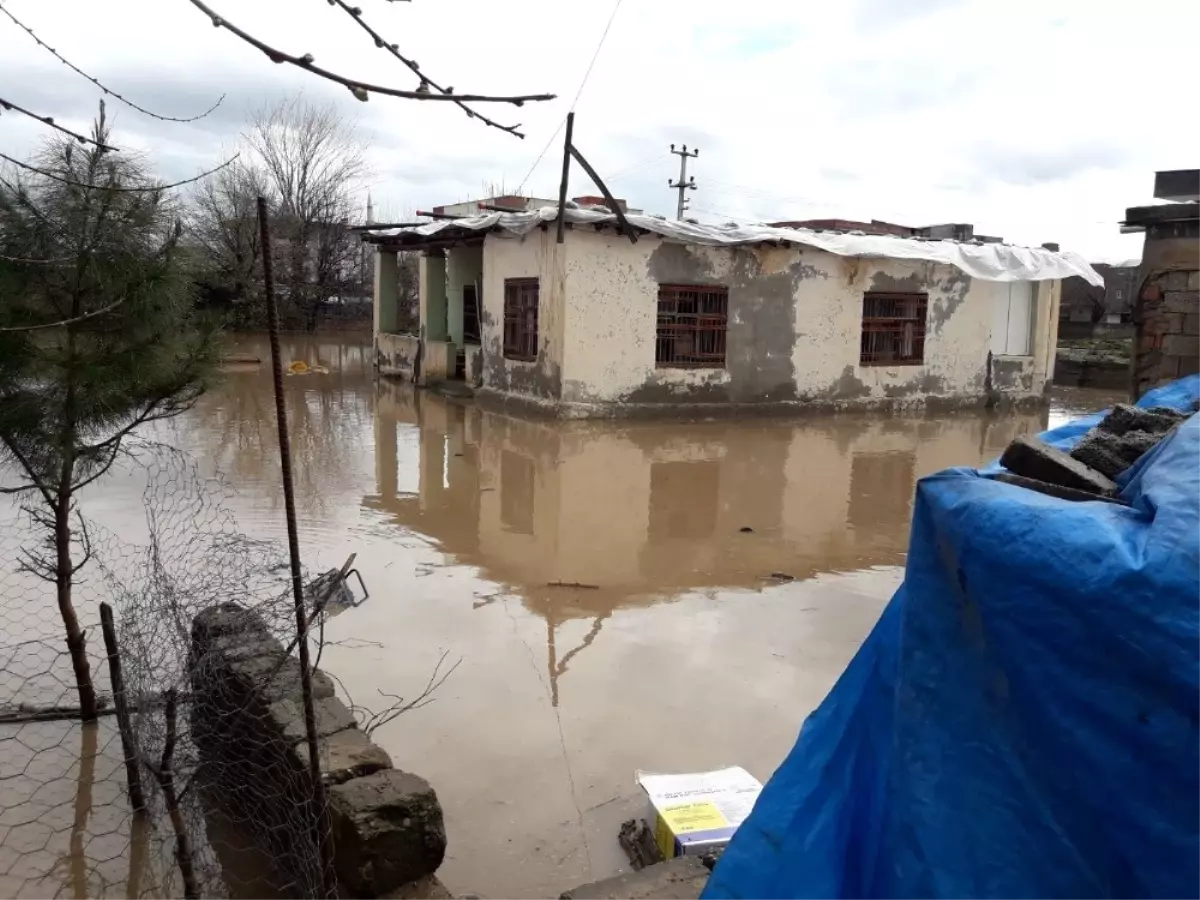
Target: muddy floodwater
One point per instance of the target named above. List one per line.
(621, 595)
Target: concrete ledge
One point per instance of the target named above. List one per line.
(536, 407)
(682, 878)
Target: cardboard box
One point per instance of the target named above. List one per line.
(696, 813)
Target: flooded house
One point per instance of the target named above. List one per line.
(637, 314)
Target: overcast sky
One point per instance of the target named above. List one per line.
(1037, 121)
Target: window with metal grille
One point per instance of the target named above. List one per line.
(691, 326)
(521, 318)
(893, 329)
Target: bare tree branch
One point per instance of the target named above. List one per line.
(74, 68)
(374, 720)
(361, 89)
(83, 318)
(49, 120)
(119, 190)
(426, 82)
(23, 260)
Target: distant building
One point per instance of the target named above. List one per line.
(699, 317)
(952, 231)
(1089, 310)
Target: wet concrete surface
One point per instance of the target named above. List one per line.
(670, 597)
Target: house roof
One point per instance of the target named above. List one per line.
(985, 261)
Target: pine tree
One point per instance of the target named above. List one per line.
(99, 335)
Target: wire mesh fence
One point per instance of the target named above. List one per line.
(228, 802)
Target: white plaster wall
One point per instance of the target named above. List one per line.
(536, 255)
(829, 330)
(612, 315)
(610, 326)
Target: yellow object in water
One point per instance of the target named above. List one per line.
(298, 367)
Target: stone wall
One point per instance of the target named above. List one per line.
(248, 723)
(1168, 329)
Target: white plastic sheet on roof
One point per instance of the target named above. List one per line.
(988, 262)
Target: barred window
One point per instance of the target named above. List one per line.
(521, 319)
(691, 326)
(893, 329)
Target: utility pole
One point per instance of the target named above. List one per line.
(684, 183)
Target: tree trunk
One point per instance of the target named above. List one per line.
(76, 639)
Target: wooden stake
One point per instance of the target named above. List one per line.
(124, 724)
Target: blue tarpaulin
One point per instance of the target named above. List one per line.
(1023, 720)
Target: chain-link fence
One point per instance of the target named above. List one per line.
(229, 805)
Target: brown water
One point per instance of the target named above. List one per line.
(665, 596)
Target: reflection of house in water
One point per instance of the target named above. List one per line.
(644, 511)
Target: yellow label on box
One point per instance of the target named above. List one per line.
(689, 817)
(686, 818)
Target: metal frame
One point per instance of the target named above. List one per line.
(692, 326)
(893, 329)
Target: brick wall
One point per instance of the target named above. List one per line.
(1168, 329)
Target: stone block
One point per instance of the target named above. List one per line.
(682, 878)
(330, 714)
(1050, 490)
(1191, 324)
(1194, 280)
(1125, 417)
(1180, 345)
(344, 755)
(1032, 458)
(388, 831)
(1111, 454)
(1182, 302)
(1175, 281)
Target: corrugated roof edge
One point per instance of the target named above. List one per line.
(985, 261)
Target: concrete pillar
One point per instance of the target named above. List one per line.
(455, 272)
(387, 292)
(433, 297)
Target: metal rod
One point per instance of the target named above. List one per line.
(566, 174)
(124, 725)
(289, 506)
(612, 203)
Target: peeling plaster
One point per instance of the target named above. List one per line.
(794, 325)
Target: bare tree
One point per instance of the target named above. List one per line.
(308, 161)
(223, 229)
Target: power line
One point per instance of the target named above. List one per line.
(596, 55)
(582, 83)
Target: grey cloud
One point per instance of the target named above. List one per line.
(867, 88)
(1024, 168)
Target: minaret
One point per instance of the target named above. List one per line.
(370, 210)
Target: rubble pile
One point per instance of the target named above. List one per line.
(1090, 470)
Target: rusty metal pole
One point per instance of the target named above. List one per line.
(289, 505)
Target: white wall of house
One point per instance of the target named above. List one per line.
(794, 324)
(535, 255)
(800, 303)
